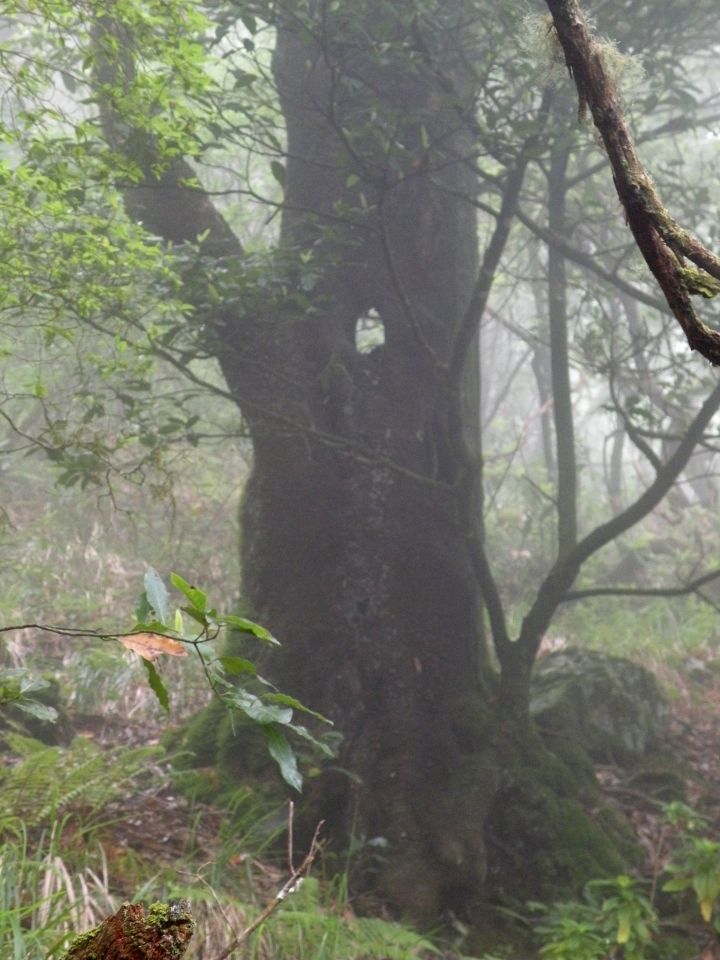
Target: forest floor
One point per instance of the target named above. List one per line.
(157, 823)
(155, 829)
(689, 761)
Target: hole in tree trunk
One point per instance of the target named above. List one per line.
(369, 332)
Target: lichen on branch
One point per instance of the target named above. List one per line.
(664, 244)
(161, 932)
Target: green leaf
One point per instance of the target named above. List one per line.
(701, 885)
(157, 594)
(150, 626)
(157, 686)
(143, 611)
(287, 701)
(196, 615)
(624, 927)
(706, 909)
(197, 598)
(676, 884)
(30, 684)
(282, 753)
(247, 626)
(303, 732)
(40, 711)
(254, 708)
(235, 666)
(278, 171)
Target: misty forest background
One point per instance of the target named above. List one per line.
(332, 309)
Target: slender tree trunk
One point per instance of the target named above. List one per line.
(559, 354)
(539, 369)
(615, 468)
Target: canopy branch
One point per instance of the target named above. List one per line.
(664, 244)
(168, 201)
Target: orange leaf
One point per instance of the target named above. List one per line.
(151, 645)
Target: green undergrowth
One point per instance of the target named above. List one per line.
(62, 870)
(662, 631)
(318, 922)
(43, 783)
(60, 873)
(45, 894)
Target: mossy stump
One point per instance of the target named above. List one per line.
(162, 932)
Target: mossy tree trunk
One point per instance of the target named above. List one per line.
(360, 521)
(353, 548)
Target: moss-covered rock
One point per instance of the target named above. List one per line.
(610, 706)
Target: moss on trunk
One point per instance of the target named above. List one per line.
(162, 932)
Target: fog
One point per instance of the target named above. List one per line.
(388, 332)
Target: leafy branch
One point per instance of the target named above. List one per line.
(162, 631)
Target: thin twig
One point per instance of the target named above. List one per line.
(287, 888)
(692, 587)
(291, 819)
(93, 634)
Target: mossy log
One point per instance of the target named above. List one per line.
(161, 932)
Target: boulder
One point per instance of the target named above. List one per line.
(610, 706)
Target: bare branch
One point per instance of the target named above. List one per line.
(556, 585)
(692, 587)
(589, 262)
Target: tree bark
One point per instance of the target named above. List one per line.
(162, 932)
(664, 244)
(361, 532)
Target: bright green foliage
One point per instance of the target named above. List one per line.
(696, 867)
(84, 288)
(615, 915)
(317, 924)
(44, 898)
(627, 912)
(570, 932)
(617, 919)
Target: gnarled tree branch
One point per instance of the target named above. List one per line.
(664, 244)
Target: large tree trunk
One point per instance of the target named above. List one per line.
(376, 605)
(354, 553)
